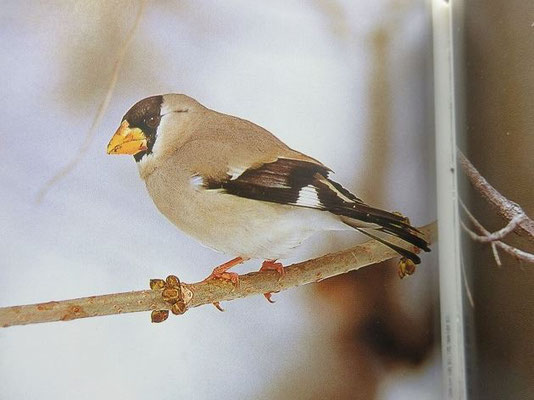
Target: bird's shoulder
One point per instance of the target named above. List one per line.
(218, 143)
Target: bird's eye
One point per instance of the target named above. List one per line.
(152, 122)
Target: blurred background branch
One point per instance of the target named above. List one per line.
(90, 135)
(507, 209)
(517, 220)
(494, 239)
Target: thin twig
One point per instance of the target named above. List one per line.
(91, 133)
(495, 252)
(197, 294)
(504, 207)
(513, 251)
(501, 233)
(466, 284)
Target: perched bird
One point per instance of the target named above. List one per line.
(238, 189)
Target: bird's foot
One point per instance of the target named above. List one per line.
(221, 273)
(270, 265)
(406, 267)
(231, 277)
(173, 294)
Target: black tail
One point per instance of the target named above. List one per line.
(365, 218)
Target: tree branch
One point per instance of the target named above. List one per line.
(197, 294)
(507, 209)
(494, 239)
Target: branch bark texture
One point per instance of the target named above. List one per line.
(197, 294)
(507, 209)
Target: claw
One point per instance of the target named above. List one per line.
(270, 265)
(268, 296)
(218, 306)
(231, 277)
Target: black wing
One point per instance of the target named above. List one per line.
(306, 184)
(281, 181)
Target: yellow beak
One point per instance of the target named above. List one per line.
(127, 140)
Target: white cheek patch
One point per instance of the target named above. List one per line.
(197, 182)
(235, 172)
(160, 139)
(308, 197)
(165, 109)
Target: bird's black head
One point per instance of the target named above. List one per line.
(137, 133)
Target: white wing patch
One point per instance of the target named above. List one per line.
(337, 192)
(196, 181)
(235, 172)
(308, 197)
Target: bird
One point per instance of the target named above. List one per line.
(238, 189)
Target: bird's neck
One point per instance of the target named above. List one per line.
(146, 166)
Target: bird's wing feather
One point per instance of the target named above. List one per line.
(285, 181)
(306, 184)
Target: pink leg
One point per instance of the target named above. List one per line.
(220, 272)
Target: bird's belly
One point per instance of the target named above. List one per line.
(238, 226)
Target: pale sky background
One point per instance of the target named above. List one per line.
(299, 68)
